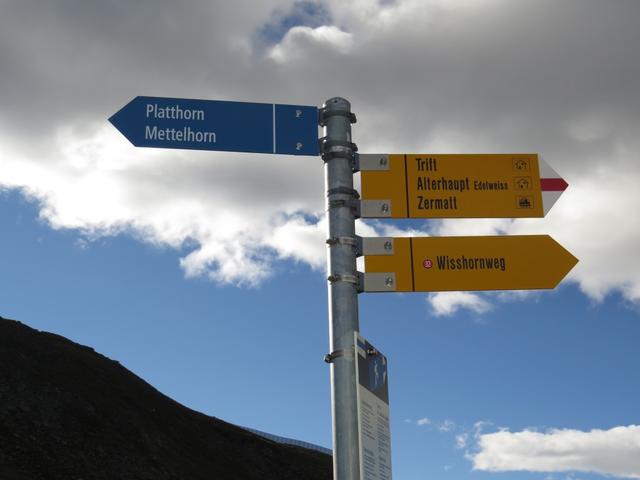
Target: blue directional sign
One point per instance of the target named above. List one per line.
(160, 122)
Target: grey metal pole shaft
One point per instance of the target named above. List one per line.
(343, 293)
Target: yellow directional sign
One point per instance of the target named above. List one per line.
(457, 186)
(435, 264)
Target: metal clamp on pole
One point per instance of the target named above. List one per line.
(330, 149)
(344, 278)
(324, 113)
(353, 204)
(343, 191)
(347, 352)
(327, 144)
(355, 242)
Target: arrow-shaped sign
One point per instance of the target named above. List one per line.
(457, 186)
(219, 125)
(436, 264)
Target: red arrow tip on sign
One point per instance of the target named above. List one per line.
(553, 184)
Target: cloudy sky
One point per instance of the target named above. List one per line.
(189, 267)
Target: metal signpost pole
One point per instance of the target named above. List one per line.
(338, 153)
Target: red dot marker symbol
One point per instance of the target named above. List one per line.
(427, 263)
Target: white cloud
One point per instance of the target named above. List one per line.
(296, 238)
(447, 426)
(448, 303)
(102, 185)
(301, 41)
(614, 452)
(461, 440)
(423, 421)
(479, 426)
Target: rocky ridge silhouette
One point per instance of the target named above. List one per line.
(67, 412)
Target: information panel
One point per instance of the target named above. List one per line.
(373, 412)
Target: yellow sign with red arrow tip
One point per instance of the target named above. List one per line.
(457, 186)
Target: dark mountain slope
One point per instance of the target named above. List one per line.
(69, 413)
